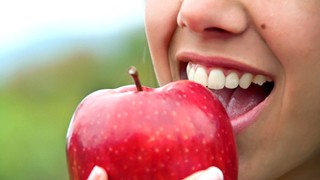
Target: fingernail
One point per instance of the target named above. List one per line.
(212, 173)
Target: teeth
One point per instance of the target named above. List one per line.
(188, 68)
(191, 73)
(218, 80)
(201, 76)
(232, 80)
(259, 79)
(245, 80)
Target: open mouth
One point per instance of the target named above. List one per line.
(241, 93)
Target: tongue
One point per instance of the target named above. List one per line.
(239, 101)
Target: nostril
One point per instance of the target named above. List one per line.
(215, 29)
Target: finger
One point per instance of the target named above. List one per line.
(212, 173)
(98, 173)
(194, 176)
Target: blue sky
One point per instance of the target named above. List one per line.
(23, 23)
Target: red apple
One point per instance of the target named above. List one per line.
(136, 132)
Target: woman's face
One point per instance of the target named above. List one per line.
(225, 43)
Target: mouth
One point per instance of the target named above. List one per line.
(243, 92)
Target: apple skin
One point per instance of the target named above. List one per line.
(164, 133)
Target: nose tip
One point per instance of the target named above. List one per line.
(212, 16)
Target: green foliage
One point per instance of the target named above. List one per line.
(37, 104)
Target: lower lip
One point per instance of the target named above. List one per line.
(244, 121)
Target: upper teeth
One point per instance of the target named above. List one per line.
(217, 79)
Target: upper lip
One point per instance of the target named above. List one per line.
(219, 61)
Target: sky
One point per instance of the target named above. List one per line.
(24, 22)
(20, 19)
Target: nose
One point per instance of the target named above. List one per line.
(213, 16)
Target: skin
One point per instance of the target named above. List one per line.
(98, 173)
(283, 38)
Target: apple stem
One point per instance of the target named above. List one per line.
(134, 74)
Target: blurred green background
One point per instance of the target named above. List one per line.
(46, 81)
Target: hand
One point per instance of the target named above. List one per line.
(98, 173)
(212, 173)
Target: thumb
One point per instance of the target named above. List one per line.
(212, 173)
(98, 173)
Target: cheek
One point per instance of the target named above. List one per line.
(310, 6)
(291, 29)
(293, 34)
(296, 43)
(161, 22)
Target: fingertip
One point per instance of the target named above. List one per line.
(216, 171)
(98, 173)
(212, 173)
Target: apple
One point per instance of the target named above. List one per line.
(137, 132)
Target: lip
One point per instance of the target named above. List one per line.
(243, 121)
